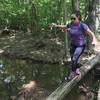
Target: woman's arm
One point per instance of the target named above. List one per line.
(59, 26)
(93, 36)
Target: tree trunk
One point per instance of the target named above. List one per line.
(98, 97)
(66, 36)
(31, 25)
(75, 5)
(97, 14)
(90, 19)
(91, 14)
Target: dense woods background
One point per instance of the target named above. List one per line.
(34, 15)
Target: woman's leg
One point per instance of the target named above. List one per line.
(76, 53)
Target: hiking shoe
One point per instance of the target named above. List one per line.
(72, 75)
(78, 71)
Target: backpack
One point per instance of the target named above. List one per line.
(82, 27)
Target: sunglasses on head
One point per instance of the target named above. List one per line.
(73, 18)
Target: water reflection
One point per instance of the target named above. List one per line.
(14, 73)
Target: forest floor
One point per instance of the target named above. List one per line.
(40, 49)
(25, 45)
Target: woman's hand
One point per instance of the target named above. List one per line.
(96, 45)
(94, 42)
(54, 25)
(58, 26)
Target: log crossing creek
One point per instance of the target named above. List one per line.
(65, 88)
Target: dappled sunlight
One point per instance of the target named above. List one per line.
(41, 52)
(23, 41)
(97, 47)
(5, 47)
(1, 50)
(28, 87)
(56, 40)
(12, 37)
(87, 67)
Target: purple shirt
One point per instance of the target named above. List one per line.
(76, 31)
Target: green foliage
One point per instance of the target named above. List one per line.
(34, 14)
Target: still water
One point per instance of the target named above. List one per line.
(14, 73)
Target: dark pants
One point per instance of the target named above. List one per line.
(75, 53)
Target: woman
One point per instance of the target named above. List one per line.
(77, 29)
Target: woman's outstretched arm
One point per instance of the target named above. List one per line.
(59, 26)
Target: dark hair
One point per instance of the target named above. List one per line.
(77, 14)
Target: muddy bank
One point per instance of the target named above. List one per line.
(27, 46)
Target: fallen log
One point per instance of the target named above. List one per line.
(98, 98)
(66, 87)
